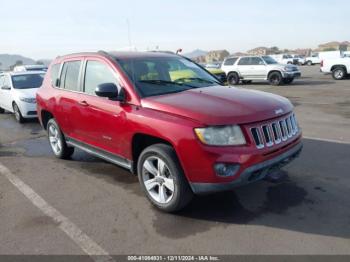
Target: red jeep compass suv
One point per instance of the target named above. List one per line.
(167, 120)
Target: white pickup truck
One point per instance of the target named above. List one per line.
(338, 67)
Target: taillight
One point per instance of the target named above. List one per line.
(322, 63)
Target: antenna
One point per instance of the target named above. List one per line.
(129, 35)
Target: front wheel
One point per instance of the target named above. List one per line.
(309, 63)
(18, 114)
(275, 78)
(162, 179)
(2, 110)
(57, 141)
(339, 73)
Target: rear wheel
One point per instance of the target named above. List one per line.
(233, 78)
(339, 73)
(275, 78)
(162, 179)
(2, 110)
(18, 113)
(57, 141)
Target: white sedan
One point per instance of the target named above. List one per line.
(18, 92)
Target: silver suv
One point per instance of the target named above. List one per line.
(246, 69)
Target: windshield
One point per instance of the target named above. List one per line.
(269, 60)
(154, 76)
(27, 81)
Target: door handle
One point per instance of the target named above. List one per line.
(83, 103)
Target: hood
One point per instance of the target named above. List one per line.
(221, 105)
(286, 65)
(28, 93)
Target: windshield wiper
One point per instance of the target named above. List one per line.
(198, 79)
(162, 82)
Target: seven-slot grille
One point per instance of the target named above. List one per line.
(275, 132)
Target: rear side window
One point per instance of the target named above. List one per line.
(97, 73)
(244, 61)
(70, 76)
(230, 61)
(55, 70)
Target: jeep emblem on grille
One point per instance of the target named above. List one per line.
(279, 111)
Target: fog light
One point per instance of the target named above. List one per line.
(226, 170)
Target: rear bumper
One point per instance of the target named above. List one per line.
(251, 174)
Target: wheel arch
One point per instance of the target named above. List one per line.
(339, 66)
(141, 141)
(274, 71)
(45, 117)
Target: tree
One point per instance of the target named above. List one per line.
(330, 49)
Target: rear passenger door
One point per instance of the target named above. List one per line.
(69, 111)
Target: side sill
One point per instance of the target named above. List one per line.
(115, 159)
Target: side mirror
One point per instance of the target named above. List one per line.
(6, 88)
(110, 90)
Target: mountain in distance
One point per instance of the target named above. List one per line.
(196, 53)
(8, 60)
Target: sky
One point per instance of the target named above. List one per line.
(45, 29)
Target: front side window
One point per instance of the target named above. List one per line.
(27, 81)
(244, 61)
(70, 76)
(164, 75)
(269, 60)
(256, 61)
(97, 73)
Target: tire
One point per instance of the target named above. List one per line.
(233, 78)
(18, 114)
(2, 110)
(168, 190)
(57, 141)
(288, 80)
(246, 82)
(339, 73)
(309, 63)
(275, 78)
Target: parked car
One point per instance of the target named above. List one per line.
(300, 60)
(250, 68)
(214, 65)
(180, 135)
(18, 91)
(338, 67)
(313, 59)
(285, 59)
(24, 68)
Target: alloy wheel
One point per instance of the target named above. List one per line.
(338, 74)
(158, 180)
(55, 141)
(17, 112)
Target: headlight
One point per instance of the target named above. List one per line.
(221, 136)
(28, 100)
